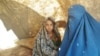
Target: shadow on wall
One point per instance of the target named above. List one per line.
(24, 21)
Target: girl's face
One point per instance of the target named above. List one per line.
(49, 26)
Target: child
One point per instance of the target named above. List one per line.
(48, 39)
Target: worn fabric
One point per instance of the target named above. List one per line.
(82, 35)
(44, 46)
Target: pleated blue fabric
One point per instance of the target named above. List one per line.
(82, 34)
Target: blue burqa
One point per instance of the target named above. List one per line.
(82, 34)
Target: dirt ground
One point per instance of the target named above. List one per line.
(24, 48)
(17, 51)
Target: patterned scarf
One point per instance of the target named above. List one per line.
(44, 46)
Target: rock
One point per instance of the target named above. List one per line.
(24, 21)
(16, 51)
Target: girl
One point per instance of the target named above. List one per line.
(48, 39)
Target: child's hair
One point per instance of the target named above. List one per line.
(52, 20)
(55, 30)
